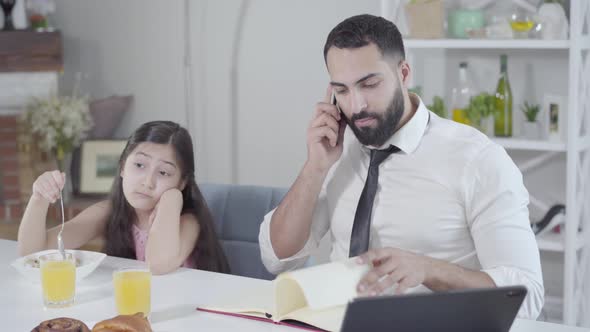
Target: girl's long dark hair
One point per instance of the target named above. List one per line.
(207, 254)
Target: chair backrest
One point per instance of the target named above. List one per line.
(238, 211)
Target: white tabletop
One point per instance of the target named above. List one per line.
(174, 299)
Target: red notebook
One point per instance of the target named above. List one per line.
(313, 298)
(290, 323)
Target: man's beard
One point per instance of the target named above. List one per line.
(386, 122)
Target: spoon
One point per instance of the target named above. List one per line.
(60, 242)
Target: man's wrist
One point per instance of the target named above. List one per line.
(432, 271)
(314, 170)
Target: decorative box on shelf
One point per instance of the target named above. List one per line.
(426, 18)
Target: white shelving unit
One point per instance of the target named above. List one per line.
(486, 44)
(531, 145)
(574, 245)
(555, 242)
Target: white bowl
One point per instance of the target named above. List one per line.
(87, 261)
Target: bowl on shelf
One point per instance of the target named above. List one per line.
(521, 22)
(466, 22)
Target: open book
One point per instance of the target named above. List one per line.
(313, 298)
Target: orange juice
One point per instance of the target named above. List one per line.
(132, 291)
(58, 279)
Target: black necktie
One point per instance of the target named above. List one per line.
(359, 240)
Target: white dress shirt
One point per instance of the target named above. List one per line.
(450, 193)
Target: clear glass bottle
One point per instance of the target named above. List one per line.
(461, 95)
(503, 114)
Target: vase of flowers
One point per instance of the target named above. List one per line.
(38, 12)
(59, 123)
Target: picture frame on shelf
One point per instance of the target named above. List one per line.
(99, 165)
(554, 110)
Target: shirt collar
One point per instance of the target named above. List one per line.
(408, 137)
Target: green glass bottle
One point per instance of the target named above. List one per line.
(503, 116)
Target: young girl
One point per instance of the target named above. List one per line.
(155, 212)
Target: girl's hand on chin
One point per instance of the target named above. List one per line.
(172, 193)
(171, 197)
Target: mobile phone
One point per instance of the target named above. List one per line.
(334, 102)
(342, 116)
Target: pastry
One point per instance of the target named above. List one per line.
(124, 323)
(62, 324)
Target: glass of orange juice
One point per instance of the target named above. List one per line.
(133, 290)
(58, 279)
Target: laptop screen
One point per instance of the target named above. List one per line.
(482, 310)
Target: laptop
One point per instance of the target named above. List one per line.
(481, 310)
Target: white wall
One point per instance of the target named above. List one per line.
(137, 47)
(126, 47)
(281, 77)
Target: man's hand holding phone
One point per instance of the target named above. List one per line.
(325, 134)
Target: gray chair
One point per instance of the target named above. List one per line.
(237, 212)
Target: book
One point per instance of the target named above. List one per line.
(311, 298)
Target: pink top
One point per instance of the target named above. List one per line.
(140, 238)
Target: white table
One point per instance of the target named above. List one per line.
(174, 299)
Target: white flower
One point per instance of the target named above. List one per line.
(61, 123)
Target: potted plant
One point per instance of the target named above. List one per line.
(530, 125)
(438, 107)
(59, 124)
(479, 112)
(38, 12)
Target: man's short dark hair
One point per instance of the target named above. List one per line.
(358, 31)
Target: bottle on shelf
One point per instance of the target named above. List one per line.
(503, 114)
(461, 94)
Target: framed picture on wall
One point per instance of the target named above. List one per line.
(555, 110)
(99, 165)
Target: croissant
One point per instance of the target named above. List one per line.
(124, 323)
(62, 324)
